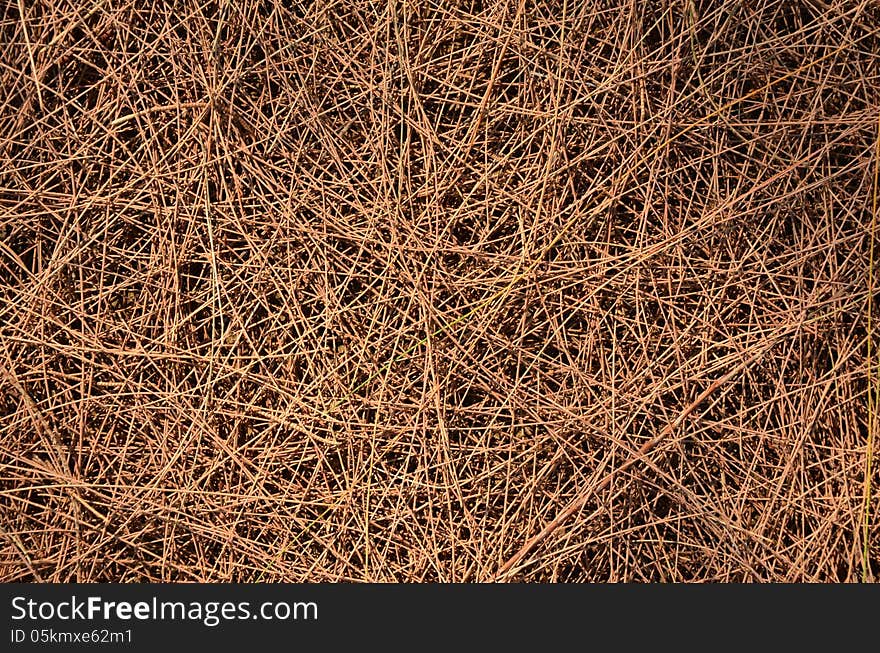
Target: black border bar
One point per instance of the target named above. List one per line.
(458, 617)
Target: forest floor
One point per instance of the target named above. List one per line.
(467, 290)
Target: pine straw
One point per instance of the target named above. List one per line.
(458, 291)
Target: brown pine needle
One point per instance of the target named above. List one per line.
(458, 291)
